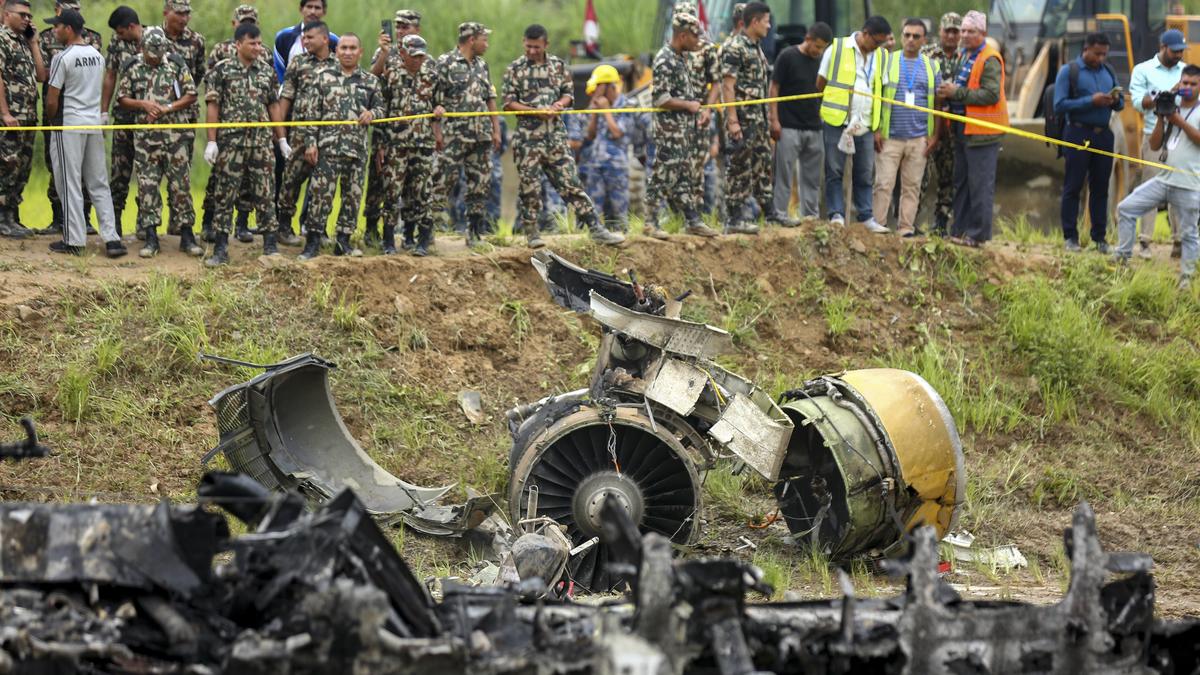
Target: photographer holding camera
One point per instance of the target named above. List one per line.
(1177, 135)
(1160, 73)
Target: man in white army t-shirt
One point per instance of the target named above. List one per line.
(73, 98)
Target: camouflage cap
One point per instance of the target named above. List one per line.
(472, 28)
(67, 4)
(245, 13)
(180, 6)
(410, 17)
(685, 7)
(951, 20)
(155, 42)
(686, 22)
(414, 45)
(739, 10)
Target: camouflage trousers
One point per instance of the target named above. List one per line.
(295, 172)
(377, 190)
(702, 153)
(154, 162)
(330, 172)
(16, 160)
(120, 168)
(673, 177)
(749, 168)
(407, 183)
(608, 186)
(471, 159)
(241, 172)
(940, 168)
(550, 157)
(52, 189)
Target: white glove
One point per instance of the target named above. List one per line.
(210, 153)
(284, 148)
(104, 118)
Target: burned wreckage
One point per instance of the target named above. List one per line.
(605, 482)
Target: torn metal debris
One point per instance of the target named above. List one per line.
(858, 459)
(131, 588)
(283, 428)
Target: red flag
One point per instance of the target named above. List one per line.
(703, 17)
(591, 31)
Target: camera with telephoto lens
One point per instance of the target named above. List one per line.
(1164, 103)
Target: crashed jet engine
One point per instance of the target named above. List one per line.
(283, 429)
(857, 458)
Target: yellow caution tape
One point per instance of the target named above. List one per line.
(998, 128)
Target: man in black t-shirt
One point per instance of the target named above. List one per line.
(796, 125)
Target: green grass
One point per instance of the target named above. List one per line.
(839, 313)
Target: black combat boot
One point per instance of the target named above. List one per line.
(772, 216)
(187, 242)
(473, 231)
(220, 254)
(343, 246)
(56, 220)
(651, 228)
(243, 227)
(408, 242)
(424, 242)
(389, 240)
(599, 233)
(738, 223)
(312, 246)
(117, 224)
(206, 228)
(150, 248)
(269, 246)
(371, 232)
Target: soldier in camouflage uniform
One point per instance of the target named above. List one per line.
(227, 49)
(745, 77)
(21, 68)
(386, 57)
(243, 89)
(158, 87)
(125, 45)
(540, 82)
(464, 85)
(306, 83)
(672, 180)
(940, 167)
(188, 45)
(705, 67)
(339, 154)
(50, 47)
(408, 149)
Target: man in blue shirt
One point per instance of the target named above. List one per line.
(906, 137)
(1159, 73)
(287, 41)
(1087, 101)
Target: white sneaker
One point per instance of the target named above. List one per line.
(873, 226)
(837, 219)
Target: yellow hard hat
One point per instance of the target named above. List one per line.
(603, 74)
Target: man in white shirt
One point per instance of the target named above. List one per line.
(1178, 134)
(1159, 73)
(73, 99)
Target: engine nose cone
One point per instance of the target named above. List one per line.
(592, 492)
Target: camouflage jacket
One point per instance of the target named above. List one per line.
(537, 85)
(743, 59)
(408, 94)
(604, 151)
(672, 79)
(307, 83)
(464, 86)
(228, 50)
(242, 94)
(189, 47)
(349, 97)
(120, 54)
(163, 84)
(946, 64)
(705, 65)
(19, 75)
(51, 48)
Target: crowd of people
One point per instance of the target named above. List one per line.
(859, 99)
